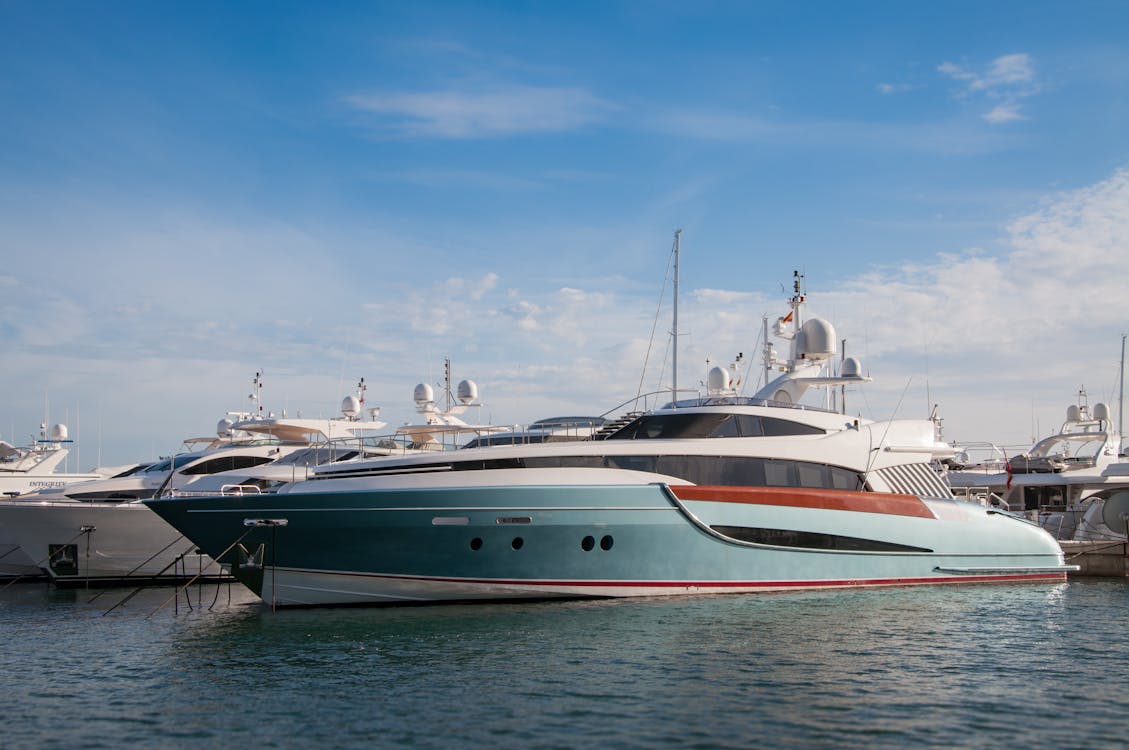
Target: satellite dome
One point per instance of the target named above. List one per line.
(424, 394)
(718, 380)
(58, 432)
(350, 406)
(1115, 512)
(223, 427)
(851, 368)
(467, 391)
(1101, 411)
(817, 340)
(1073, 413)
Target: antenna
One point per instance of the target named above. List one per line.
(674, 332)
(257, 392)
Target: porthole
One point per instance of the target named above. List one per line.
(476, 543)
(588, 543)
(606, 543)
(517, 542)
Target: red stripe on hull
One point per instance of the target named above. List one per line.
(797, 497)
(845, 582)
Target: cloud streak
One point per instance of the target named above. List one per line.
(512, 110)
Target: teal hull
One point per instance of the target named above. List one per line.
(616, 540)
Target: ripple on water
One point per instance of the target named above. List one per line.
(975, 666)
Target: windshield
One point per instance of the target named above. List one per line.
(1084, 445)
(710, 425)
(317, 456)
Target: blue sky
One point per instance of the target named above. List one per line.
(192, 192)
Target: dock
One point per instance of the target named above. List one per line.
(1098, 558)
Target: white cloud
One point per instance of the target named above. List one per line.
(1004, 113)
(1008, 79)
(505, 111)
(893, 88)
(1009, 70)
(992, 332)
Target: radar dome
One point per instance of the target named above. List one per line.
(851, 368)
(350, 406)
(467, 391)
(1115, 513)
(58, 432)
(1101, 411)
(424, 394)
(818, 340)
(223, 427)
(717, 380)
(1073, 413)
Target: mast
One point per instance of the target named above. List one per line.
(1121, 394)
(767, 350)
(674, 333)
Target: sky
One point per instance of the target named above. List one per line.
(191, 193)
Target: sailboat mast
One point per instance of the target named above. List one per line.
(674, 333)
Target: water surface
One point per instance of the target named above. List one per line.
(969, 666)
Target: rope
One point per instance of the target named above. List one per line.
(85, 530)
(139, 589)
(217, 558)
(1111, 545)
(156, 575)
(13, 549)
(889, 423)
(654, 326)
(146, 562)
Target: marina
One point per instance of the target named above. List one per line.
(607, 375)
(983, 666)
(715, 493)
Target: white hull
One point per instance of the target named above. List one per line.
(18, 483)
(102, 542)
(14, 562)
(298, 588)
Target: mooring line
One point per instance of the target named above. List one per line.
(146, 562)
(85, 530)
(217, 558)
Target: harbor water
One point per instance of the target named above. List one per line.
(963, 666)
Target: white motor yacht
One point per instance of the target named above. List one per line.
(100, 532)
(1059, 480)
(34, 468)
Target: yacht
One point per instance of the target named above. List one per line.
(1058, 481)
(720, 493)
(36, 468)
(100, 532)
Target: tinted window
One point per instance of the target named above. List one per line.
(774, 427)
(226, 463)
(723, 471)
(662, 426)
(719, 425)
(779, 473)
(812, 475)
